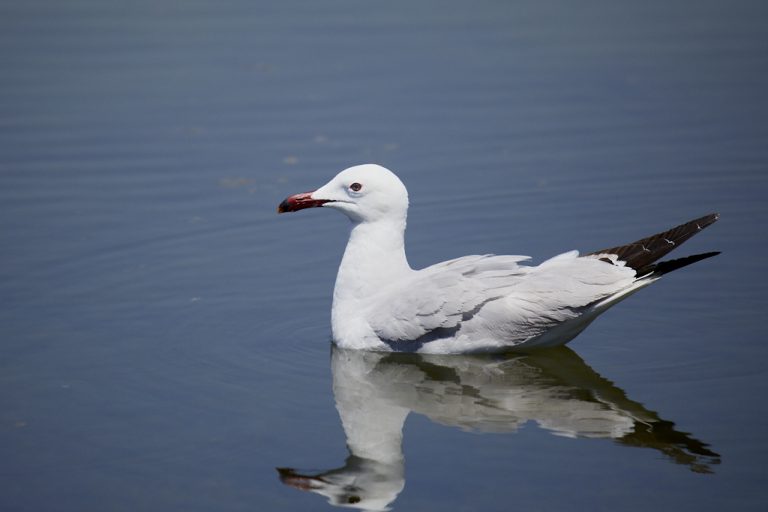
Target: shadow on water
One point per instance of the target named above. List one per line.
(555, 388)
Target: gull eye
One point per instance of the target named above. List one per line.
(355, 187)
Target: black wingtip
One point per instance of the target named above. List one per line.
(665, 267)
(642, 254)
(708, 220)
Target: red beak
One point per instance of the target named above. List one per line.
(298, 202)
(304, 482)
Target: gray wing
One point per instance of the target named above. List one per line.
(522, 301)
(443, 295)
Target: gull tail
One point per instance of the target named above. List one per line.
(643, 255)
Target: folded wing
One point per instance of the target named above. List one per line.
(443, 295)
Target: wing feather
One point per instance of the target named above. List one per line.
(443, 295)
(523, 301)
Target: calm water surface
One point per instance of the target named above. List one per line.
(165, 337)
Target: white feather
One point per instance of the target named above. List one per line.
(470, 304)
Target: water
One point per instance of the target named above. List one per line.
(165, 336)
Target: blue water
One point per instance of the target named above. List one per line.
(165, 336)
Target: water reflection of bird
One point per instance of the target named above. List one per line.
(375, 392)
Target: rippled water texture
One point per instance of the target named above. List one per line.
(165, 336)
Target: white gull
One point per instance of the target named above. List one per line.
(479, 303)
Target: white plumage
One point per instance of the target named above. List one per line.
(474, 303)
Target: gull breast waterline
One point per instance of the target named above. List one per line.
(477, 303)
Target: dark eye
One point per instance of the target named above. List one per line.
(355, 187)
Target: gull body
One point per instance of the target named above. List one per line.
(478, 303)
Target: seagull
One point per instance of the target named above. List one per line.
(472, 304)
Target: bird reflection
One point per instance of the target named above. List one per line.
(555, 388)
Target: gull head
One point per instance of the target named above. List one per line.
(364, 193)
